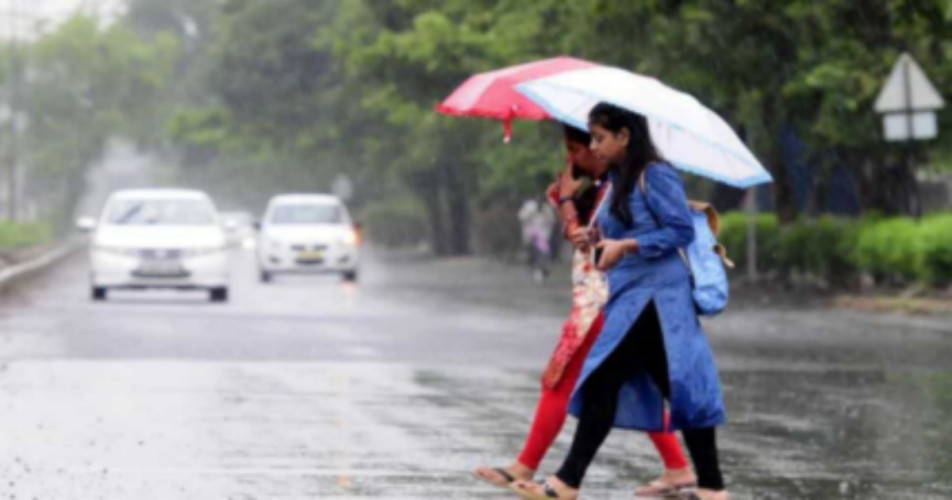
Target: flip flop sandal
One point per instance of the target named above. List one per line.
(659, 489)
(548, 492)
(502, 473)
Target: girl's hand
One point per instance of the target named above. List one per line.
(568, 185)
(613, 251)
(580, 237)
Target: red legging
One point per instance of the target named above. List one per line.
(553, 410)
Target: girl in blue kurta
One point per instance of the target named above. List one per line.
(652, 349)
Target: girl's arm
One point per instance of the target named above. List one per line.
(669, 207)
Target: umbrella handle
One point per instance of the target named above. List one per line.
(507, 130)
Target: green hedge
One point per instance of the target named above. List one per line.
(13, 236)
(934, 258)
(822, 248)
(835, 250)
(889, 249)
(734, 237)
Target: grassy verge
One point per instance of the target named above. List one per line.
(14, 236)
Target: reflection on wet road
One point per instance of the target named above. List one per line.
(396, 387)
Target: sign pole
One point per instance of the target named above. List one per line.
(907, 96)
(908, 156)
(752, 235)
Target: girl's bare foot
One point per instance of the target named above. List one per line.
(672, 481)
(504, 476)
(679, 476)
(543, 491)
(711, 495)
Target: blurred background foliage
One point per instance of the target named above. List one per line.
(247, 98)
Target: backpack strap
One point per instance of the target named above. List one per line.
(713, 222)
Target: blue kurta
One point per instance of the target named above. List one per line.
(662, 224)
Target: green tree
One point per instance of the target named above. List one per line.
(84, 85)
(317, 88)
(813, 66)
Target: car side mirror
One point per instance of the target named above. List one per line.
(86, 224)
(257, 225)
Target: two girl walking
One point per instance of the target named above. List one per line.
(641, 361)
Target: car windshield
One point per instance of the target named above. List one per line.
(310, 213)
(159, 212)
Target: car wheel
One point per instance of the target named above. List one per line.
(219, 294)
(350, 276)
(265, 277)
(98, 293)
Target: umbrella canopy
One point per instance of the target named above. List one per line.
(689, 135)
(492, 94)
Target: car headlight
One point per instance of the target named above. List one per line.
(202, 251)
(349, 238)
(114, 250)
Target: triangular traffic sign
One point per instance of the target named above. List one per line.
(908, 82)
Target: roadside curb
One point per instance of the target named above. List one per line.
(10, 276)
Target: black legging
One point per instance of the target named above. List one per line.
(642, 350)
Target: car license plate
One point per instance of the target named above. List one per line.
(311, 257)
(161, 268)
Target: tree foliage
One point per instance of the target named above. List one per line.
(317, 88)
(73, 90)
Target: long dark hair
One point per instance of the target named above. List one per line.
(640, 152)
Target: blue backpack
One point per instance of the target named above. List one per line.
(705, 258)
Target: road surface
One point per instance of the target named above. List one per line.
(397, 386)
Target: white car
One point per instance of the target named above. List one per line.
(158, 238)
(308, 233)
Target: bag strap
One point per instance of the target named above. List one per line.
(714, 223)
(598, 208)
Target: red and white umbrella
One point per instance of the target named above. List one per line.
(493, 94)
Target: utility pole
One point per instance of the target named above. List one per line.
(14, 109)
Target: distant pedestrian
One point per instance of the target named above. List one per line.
(538, 222)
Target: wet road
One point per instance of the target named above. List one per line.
(396, 387)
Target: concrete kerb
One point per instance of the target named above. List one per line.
(23, 271)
